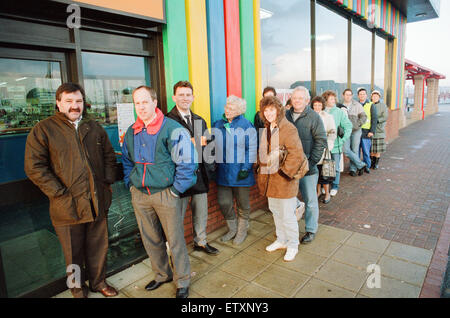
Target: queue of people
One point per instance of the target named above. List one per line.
(166, 167)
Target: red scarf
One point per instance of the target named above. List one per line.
(153, 127)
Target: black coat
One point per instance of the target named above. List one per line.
(205, 171)
(312, 135)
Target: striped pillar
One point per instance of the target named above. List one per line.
(197, 45)
(217, 58)
(233, 47)
(175, 47)
(258, 62)
(247, 57)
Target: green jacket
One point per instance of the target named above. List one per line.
(340, 119)
(383, 113)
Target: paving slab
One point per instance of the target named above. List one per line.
(258, 250)
(356, 257)
(218, 284)
(304, 262)
(391, 288)
(244, 266)
(367, 242)
(225, 253)
(333, 234)
(255, 291)
(320, 246)
(403, 271)
(281, 280)
(137, 289)
(129, 276)
(342, 275)
(410, 253)
(316, 288)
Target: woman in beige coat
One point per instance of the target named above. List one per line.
(275, 180)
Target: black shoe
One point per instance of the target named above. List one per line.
(353, 173)
(307, 238)
(326, 201)
(208, 249)
(366, 169)
(375, 164)
(372, 162)
(154, 284)
(361, 171)
(183, 292)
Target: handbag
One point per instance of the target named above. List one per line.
(302, 170)
(328, 167)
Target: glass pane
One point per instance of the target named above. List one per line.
(109, 80)
(380, 56)
(286, 44)
(331, 51)
(361, 58)
(27, 93)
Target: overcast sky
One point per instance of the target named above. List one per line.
(428, 43)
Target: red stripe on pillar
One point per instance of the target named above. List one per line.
(233, 47)
(358, 8)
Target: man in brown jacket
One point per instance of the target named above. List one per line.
(70, 158)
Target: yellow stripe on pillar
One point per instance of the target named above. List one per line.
(394, 74)
(197, 45)
(257, 33)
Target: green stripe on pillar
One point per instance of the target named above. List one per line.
(175, 47)
(248, 57)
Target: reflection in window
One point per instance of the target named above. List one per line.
(380, 56)
(109, 80)
(361, 58)
(331, 51)
(286, 44)
(27, 93)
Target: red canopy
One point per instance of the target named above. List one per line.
(414, 69)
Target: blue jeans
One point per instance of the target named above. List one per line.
(351, 150)
(308, 189)
(337, 161)
(366, 144)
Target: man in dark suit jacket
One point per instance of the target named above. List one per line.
(183, 96)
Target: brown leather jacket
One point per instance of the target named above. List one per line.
(279, 183)
(71, 167)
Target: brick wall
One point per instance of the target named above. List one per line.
(393, 124)
(215, 218)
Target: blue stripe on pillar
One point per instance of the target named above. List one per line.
(217, 58)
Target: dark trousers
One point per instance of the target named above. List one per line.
(86, 245)
(225, 198)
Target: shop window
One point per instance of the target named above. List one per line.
(109, 80)
(380, 56)
(331, 51)
(361, 58)
(286, 45)
(27, 93)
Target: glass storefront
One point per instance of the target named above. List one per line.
(361, 58)
(380, 57)
(331, 51)
(286, 44)
(27, 93)
(30, 253)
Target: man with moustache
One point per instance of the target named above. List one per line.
(70, 158)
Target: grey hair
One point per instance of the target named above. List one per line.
(302, 89)
(239, 102)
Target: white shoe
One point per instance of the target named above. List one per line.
(275, 246)
(323, 191)
(333, 192)
(300, 210)
(290, 254)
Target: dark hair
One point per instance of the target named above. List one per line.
(71, 88)
(289, 102)
(362, 89)
(318, 99)
(150, 90)
(327, 95)
(271, 101)
(347, 90)
(269, 89)
(182, 84)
